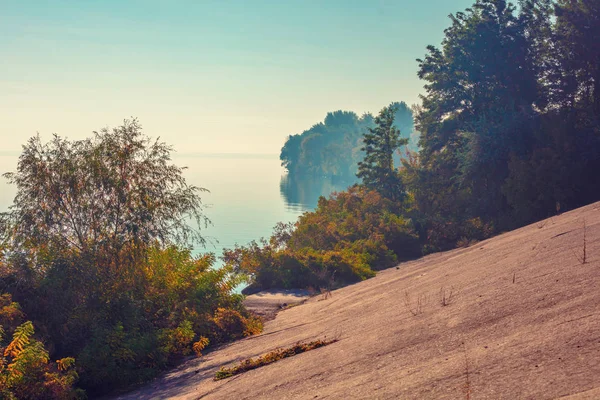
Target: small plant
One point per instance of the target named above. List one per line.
(326, 293)
(467, 386)
(271, 357)
(254, 326)
(330, 279)
(232, 324)
(200, 345)
(583, 257)
(465, 242)
(446, 296)
(418, 308)
(25, 368)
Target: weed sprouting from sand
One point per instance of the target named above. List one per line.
(330, 279)
(446, 296)
(582, 258)
(326, 293)
(467, 386)
(271, 357)
(418, 307)
(543, 223)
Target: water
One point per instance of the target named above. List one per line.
(248, 195)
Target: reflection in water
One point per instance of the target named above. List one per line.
(302, 193)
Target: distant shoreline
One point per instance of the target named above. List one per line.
(227, 155)
(13, 153)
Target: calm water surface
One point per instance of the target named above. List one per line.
(248, 195)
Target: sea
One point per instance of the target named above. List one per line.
(247, 194)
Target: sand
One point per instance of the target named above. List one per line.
(270, 302)
(513, 317)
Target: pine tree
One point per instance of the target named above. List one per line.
(377, 170)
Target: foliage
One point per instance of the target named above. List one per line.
(106, 195)
(200, 345)
(96, 250)
(332, 148)
(179, 302)
(25, 368)
(480, 104)
(377, 170)
(509, 133)
(509, 122)
(344, 240)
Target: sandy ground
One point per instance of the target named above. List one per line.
(513, 317)
(268, 303)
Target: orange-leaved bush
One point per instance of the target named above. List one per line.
(347, 238)
(26, 371)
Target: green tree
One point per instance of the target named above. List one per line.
(578, 37)
(482, 94)
(377, 170)
(404, 121)
(327, 149)
(102, 197)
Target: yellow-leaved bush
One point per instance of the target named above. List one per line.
(26, 371)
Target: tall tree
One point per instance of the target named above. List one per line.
(107, 195)
(578, 36)
(377, 170)
(480, 103)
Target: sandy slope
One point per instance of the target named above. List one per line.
(523, 322)
(269, 302)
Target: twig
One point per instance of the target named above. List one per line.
(582, 259)
(421, 299)
(446, 296)
(467, 387)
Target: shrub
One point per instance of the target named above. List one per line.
(25, 368)
(344, 240)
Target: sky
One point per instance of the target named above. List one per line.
(226, 76)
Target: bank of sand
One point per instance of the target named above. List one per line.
(270, 302)
(513, 317)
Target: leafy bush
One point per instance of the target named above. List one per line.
(96, 248)
(25, 368)
(347, 238)
(177, 302)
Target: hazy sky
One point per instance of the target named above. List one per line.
(207, 76)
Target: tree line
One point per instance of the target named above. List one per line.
(509, 133)
(332, 148)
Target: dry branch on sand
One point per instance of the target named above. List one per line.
(271, 357)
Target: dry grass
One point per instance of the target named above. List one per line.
(467, 386)
(446, 296)
(417, 309)
(271, 357)
(325, 294)
(582, 257)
